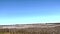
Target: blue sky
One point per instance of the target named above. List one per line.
(29, 11)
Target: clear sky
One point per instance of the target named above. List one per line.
(29, 11)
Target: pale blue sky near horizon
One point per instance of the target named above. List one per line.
(29, 11)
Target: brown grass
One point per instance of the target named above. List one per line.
(34, 30)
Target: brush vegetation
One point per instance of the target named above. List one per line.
(32, 30)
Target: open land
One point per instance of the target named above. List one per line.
(30, 29)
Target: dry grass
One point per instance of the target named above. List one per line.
(34, 30)
(31, 31)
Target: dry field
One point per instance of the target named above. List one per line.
(32, 29)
